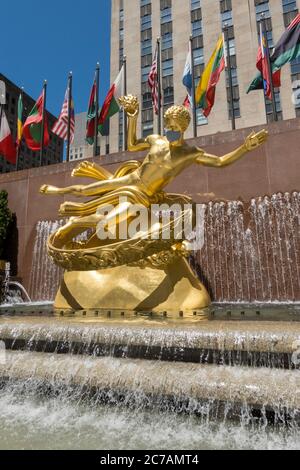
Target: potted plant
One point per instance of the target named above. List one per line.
(5, 221)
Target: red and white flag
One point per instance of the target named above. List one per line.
(153, 81)
(60, 128)
(7, 146)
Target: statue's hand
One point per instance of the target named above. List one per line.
(44, 189)
(47, 189)
(255, 140)
(130, 104)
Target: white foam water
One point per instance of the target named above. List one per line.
(29, 422)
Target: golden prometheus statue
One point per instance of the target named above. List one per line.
(146, 271)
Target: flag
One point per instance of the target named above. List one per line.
(187, 102)
(288, 47)
(7, 146)
(20, 121)
(32, 129)
(206, 90)
(60, 128)
(153, 81)
(187, 78)
(262, 63)
(111, 104)
(91, 115)
(286, 50)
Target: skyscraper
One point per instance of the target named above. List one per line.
(136, 24)
(80, 149)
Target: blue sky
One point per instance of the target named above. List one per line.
(47, 39)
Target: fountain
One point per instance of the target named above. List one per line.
(13, 291)
(198, 376)
(260, 241)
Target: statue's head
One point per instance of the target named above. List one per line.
(177, 118)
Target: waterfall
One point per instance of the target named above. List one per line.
(45, 275)
(252, 251)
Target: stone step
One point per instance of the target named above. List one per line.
(258, 344)
(188, 387)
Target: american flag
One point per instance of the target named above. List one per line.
(153, 81)
(60, 128)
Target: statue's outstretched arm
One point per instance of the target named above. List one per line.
(130, 105)
(252, 142)
(134, 144)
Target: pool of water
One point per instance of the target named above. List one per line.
(33, 420)
(54, 424)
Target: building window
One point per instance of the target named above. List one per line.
(227, 18)
(195, 4)
(167, 41)
(201, 119)
(145, 73)
(198, 55)
(167, 68)
(146, 22)
(289, 6)
(147, 60)
(147, 100)
(146, 48)
(166, 16)
(262, 7)
(146, 9)
(169, 95)
(197, 28)
(167, 54)
(225, 5)
(147, 115)
(164, 4)
(166, 28)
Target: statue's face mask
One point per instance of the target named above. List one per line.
(172, 136)
(172, 124)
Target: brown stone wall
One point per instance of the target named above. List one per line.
(273, 168)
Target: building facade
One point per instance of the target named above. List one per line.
(80, 149)
(136, 25)
(27, 158)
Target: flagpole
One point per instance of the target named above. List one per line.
(159, 85)
(1, 110)
(229, 70)
(43, 122)
(97, 109)
(270, 72)
(193, 88)
(2, 103)
(124, 114)
(18, 153)
(69, 115)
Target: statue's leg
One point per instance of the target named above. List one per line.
(74, 227)
(121, 202)
(133, 194)
(95, 189)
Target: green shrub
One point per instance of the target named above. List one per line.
(5, 219)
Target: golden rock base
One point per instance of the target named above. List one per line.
(134, 288)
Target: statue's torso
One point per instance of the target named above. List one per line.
(164, 162)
